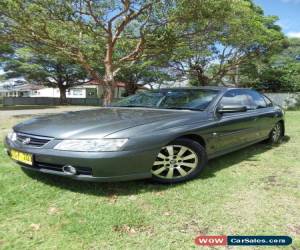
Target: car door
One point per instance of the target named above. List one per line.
(235, 129)
(264, 113)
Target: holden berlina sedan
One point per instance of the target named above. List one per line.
(168, 135)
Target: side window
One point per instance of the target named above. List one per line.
(235, 97)
(257, 101)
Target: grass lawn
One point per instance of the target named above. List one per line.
(255, 191)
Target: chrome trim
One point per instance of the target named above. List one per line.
(30, 138)
(35, 136)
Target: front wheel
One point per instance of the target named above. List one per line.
(276, 134)
(181, 160)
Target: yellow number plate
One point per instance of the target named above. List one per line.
(21, 157)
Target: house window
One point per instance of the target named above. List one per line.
(77, 91)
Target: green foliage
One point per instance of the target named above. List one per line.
(207, 41)
(42, 69)
(50, 26)
(97, 34)
(214, 37)
(281, 72)
(69, 28)
(147, 73)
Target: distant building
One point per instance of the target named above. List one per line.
(88, 90)
(17, 90)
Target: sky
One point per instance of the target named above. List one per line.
(288, 12)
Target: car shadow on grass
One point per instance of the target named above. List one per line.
(143, 186)
(98, 188)
(249, 154)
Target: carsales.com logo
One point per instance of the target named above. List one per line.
(222, 240)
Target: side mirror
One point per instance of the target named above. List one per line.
(231, 109)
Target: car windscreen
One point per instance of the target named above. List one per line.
(194, 99)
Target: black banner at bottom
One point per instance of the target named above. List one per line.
(259, 240)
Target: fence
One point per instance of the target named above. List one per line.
(11, 101)
(286, 100)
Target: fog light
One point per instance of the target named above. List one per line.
(68, 169)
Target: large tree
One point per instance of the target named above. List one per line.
(147, 73)
(216, 37)
(204, 39)
(42, 69)
(281, 72)
(112, 33)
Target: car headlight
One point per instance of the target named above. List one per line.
(12, 135)
(92, 145)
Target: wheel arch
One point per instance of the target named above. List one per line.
(194, 137)
(283, 127)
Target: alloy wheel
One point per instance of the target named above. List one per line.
(175, 161)
(276, 133)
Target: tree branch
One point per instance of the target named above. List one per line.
(93, 15)
(134, 54)
(128, 18)
(126, 4)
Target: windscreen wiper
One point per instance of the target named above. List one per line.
(181, 108)
(130, 106)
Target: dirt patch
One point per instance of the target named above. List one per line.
(193, 227)
(272, 181)
(294, 229)
(132, 230)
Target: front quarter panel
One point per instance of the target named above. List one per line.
(155, 136)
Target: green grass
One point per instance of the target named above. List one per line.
(255, 191)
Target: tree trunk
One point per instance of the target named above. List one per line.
(130, 89)
(109, 85)
(109, 81)
(202, 79)
(199, 72)
(237, 76)
(108, 94)
(63, 96)
(109, 76)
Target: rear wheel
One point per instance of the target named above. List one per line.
(181, 160)
(276, 133)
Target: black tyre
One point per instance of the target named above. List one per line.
(179, 161)
(276, 134)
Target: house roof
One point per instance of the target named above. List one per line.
(27, 87)
(118, 84)
(23, 87)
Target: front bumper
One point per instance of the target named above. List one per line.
(92, 166)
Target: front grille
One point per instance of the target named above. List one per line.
(32, 140)
(58, 168)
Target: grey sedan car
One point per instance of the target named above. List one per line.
(168, 135)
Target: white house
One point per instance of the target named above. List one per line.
(89, 90)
